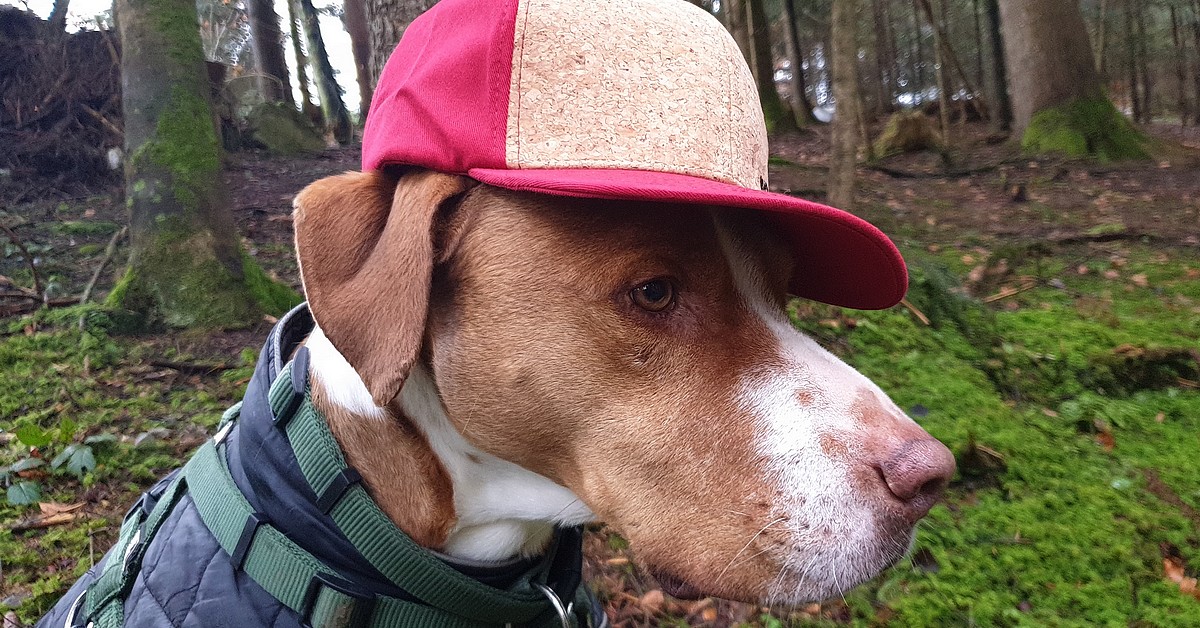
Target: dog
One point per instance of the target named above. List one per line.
(555, 295)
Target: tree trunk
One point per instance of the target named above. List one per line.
(1147, 79)
(943, 82)
(185, 267)
(267, 41)
(1180, 68)
(843, 158)
(333, 108)
(306, 104)
(943, 50)
(1062, 107)
(355, 19)
(883, 70)
(919, 44)
(58, 17)
(1131, 65)
(778, 117)
(738, 27)
(801, 105)
(1101, 43)
(387, 20)
(998, 98)
(1196, 39)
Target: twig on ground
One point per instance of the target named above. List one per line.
(192, 368)
(103, 120)
(918, 313)
(17, 242)
(109, 252)
(1011, 292)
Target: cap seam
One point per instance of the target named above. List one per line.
(519, 57)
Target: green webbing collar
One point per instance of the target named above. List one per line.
(441, 596)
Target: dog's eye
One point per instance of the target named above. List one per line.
(654, 296)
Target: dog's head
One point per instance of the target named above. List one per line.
(637, 354)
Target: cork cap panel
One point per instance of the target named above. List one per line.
(641, 84)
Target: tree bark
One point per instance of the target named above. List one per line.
(333, 108)
(1180, 68)
(739, 28)
(1196, 39)
(776, 113)
(185, 267)
(801, 105)
(1101, 43)
(997, 78)
(306, 102)
(387, 20)
(58, 17)
(267, 41)
(919, 45)
(843, 159)
(1147, 79)
(1062, 107)
(1131, 64)
(355, 19)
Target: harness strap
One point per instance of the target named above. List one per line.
(104, 601)
(373, 534)
(288, 572)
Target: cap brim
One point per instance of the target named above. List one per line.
(841, 259)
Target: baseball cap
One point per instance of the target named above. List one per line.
(641, 100)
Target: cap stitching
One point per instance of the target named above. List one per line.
(523, 11)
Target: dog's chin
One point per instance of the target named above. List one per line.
(793, 586)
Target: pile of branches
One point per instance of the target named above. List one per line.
(60, 103)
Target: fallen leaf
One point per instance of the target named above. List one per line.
(652, 602)
(1106, 441)
(1173, 567)
(1160, 417)
(1112, 274)
(53, 508)
(1140, 280)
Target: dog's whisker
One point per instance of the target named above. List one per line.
(744, 547)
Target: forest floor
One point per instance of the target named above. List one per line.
(1051, 339)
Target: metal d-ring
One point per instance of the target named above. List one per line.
(564, 611)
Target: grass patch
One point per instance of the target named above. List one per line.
(64, 368)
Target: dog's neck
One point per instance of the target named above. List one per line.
(444, 492)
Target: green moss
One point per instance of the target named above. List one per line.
(185, 146)
(272, 296)
(283, 130)
(85, 227)
(1085, 128)
(178, 281)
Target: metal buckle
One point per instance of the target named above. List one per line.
(219, 437)
(564, 612)
(363, 601)
(74, 610)
(132, 548)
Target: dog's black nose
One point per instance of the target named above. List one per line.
(917, 473)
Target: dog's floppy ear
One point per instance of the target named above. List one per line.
(365, 244)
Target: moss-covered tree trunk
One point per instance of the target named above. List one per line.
(186, 268)
(1060, 105)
